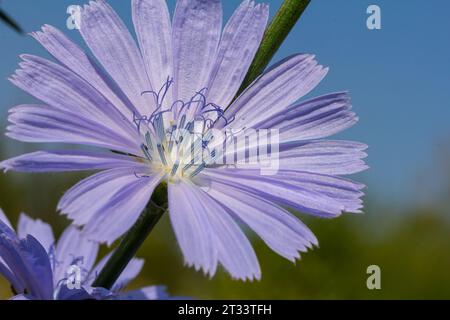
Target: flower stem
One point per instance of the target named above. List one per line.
(279, 28)
(283, 22)
(134, 238)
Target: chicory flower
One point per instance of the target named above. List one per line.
(40, 269)
(151, 104)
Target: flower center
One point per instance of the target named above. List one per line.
(176, 136)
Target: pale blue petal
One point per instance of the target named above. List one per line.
(130, 272)
(235, 252)
(325, 157)
(206, 232)
(65, 293)
(275, 90)
(120, 207)
(63, 90)
(40, 123)
(114, 47)
(88, 196)
(29, 262)
(280, 230)
(21, 297)
(192, 229)
(38, 229)
(15, 282)
(238, 45)
(154, 31)
(312, 197)
(314, 119)
(5, 220)
(74, 58)
(65, 160)
(197, 27)
(73, 249)
(7, 232)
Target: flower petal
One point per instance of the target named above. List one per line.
(38, 229)
(75, 59)
(275, 90)
(320, 195)
(64, 293)
(21, 297)
(35, 123)
(196, 218)
(73, 249)
(192, 229)
(5, 220)
(197, 26)
(130, 272)
(62, 89)
(7, 232)
(154, 31)
(112, 44)
(314, 119)
(238, 45)
(66, 160)
(280, 230)
(84, 199)
(123, 199)
(325, 157)
(29, 262)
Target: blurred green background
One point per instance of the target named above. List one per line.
(406, 225)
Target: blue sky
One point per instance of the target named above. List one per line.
(398, 76)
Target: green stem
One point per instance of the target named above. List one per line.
(283, 22)
(133, 240)
(274, 36)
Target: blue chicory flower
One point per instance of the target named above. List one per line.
(138, 100)
(39, 269)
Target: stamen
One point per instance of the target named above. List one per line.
(168, 140)
(162, 156)
(198, 170)
(159, 126)
(148, 139)
(146, 153)
(175, 168)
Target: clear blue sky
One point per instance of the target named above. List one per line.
(398, 76)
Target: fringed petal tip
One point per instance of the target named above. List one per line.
(93, 3)
(210, 271)
(261, 7)
(92, 236)
(309, 243)
(39, 35)
(13, 78)
(207, 271)
(60, 209)
(252, 277)
(256, 276)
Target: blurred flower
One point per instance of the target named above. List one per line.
(39, 270)
(199, 69)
